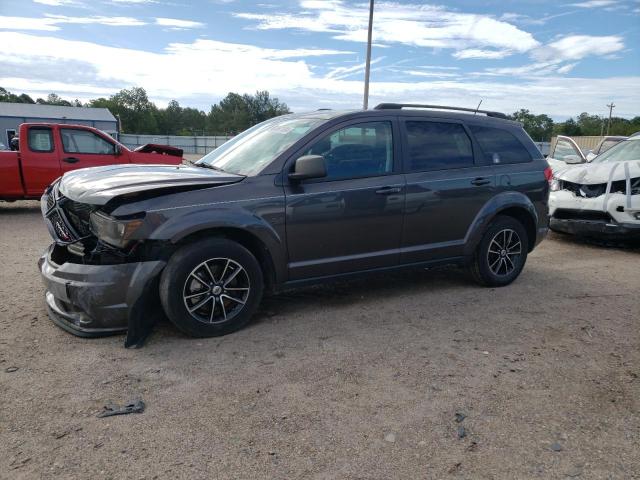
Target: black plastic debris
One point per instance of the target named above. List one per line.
(111, 410)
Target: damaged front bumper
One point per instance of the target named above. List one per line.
(596, 228)
(612, 216)
(99, 300)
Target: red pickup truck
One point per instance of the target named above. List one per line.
(46, 151)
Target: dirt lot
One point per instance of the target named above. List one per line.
(356, 380)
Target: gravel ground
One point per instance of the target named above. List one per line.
(356, 380)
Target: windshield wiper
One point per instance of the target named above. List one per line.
(206, 165)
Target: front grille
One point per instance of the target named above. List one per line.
(585, 191)
(51, 201)
(589, 215)
(78, 215)
(60, 227)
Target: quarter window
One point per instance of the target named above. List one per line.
(437, 146)
(361, 150)
(500, 146)
(84, 141)
(40, 140)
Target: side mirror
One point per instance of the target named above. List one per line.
(117, 150)
(572, 159)
(309, 166)
(546, 155)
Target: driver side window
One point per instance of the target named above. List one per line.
(360, 150)
(84, 141)
(563, 150)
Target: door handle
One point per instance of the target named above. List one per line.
(388, 190)
(480, 181)
(71, 160)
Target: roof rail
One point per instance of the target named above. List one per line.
(399, 106)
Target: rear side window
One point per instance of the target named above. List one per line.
(437, 146)
(500, 146)
(84, 141)
(40, 140)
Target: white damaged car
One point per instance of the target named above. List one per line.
(601, 198)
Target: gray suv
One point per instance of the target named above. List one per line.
(298, 199)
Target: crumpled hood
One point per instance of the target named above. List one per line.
(597, 173)
(98, 185)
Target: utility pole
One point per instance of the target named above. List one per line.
(367, 69)
(611, 107)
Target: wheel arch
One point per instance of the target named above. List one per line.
(247, 239)
(511, 204)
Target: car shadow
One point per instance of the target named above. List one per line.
(625, 245)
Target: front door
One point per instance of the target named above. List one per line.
(351, 220)
(84, 148)
(447, 185)
(40, 165)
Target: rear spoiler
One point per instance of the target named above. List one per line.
(160, 149)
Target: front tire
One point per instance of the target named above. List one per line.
(501, 254)
(211, 287)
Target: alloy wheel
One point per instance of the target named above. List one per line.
(504, 252)
(216, 290)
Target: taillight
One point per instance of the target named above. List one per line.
(548, 174)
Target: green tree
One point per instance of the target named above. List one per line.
(590, 124)
(236, 113)
(137, 113)
(539, 127)
(54, 99)
(569, 128)
(6, 96)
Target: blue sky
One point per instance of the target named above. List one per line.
(556, 57)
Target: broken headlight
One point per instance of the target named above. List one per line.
(554, 185)
(116, 232)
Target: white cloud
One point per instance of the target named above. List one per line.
(177, 23)
(56, 3)
(97, 20)
(479, 53)
(595, 3)
(201, 72)
(396, 23)
(25, 23)
(577, 47)
(344, 72)
(419, 73)
(51, 22)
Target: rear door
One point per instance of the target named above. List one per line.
(84, 148)
(39, 160)
(447, 185)
(350, 220)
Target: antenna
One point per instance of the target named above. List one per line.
(478, 107)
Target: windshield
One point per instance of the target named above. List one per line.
(622, 152)
(252, 150)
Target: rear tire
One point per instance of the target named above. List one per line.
(501, 254)
(211, 287)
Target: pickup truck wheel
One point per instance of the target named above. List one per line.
(501, 254)
(211, 287)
